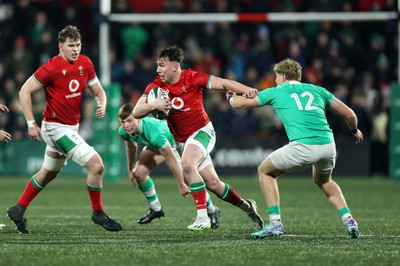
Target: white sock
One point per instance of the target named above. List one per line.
(275, 218)
(210, 205)
(346, 217)
(202, 213)
(155, 205)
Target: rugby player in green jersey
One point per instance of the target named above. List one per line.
(301, 108)
(159, 146)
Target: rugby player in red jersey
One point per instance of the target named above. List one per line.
(193, 130)
(64, 78)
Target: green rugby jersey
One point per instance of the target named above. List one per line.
(301, 108)
(153, 133)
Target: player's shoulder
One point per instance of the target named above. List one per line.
(84, 59)
(190, 76)
(192, 73)
(311, 86)
(50, 66)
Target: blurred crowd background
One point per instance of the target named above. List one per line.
(356, 61)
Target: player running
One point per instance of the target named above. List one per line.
(64, 78)
(193, 130)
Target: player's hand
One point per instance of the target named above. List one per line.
(184, 190)
(132, 178)
(162, 104)
(358, 136)
(4, 108)
(250, 94)
(5, 136)
(100, 110)
(34, 133)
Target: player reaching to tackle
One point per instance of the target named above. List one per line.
(301, 108)
(64, 78)
(193, 130)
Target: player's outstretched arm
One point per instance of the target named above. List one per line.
(218, 83)
(241, 102)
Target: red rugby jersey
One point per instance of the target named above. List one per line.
(64, 83)
(187, 114)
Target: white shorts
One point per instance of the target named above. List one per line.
(203, 138)
(65, 140)
(296, 156)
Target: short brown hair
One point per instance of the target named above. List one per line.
(173, 53)
(290, 68)
(125, 110)
(69, 32)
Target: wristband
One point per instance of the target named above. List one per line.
(31, 123)
(354, 131)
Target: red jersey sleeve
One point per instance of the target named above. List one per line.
(43, 74)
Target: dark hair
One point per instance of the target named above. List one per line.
(69, 32)
(125, 110)
(173, 53)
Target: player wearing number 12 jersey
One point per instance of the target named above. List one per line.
(63, 79)
(193, 131)
(301, 107)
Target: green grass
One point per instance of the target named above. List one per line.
(63, 234)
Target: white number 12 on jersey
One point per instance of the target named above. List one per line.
(309, 102)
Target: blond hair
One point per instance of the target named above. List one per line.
(290, 68)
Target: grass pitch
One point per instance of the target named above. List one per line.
(63, 234)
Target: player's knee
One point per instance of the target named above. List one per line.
(214, 184)
(95, 166)
(140, 175)
(188, 167)
(99, 168)
(322, 179)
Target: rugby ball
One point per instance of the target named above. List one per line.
(152, 96)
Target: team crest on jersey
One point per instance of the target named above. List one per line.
(80, 70)
(64, 71)
(184, 88)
